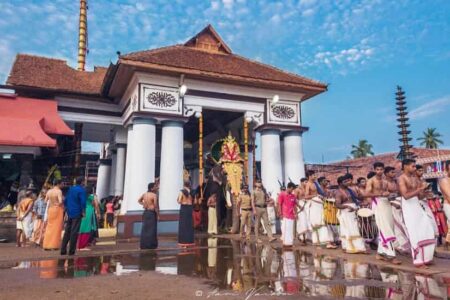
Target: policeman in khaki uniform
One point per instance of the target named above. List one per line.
(245, 204)
(259, 206)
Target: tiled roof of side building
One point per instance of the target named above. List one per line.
(360, 167)
(55, 75)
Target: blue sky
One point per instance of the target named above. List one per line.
(363, 49)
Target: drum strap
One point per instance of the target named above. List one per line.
(353, 196)
(319, 189)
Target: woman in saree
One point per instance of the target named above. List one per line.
(55, 218)
(89, 224)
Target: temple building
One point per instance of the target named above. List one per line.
(160, 111)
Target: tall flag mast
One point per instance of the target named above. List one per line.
(82, 36)
(82, 51)
(402, 113)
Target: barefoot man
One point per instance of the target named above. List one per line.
(378, 191)
(424, 201)
(402, 243)
(418, 224)
(444, 186)
(352, 242)
(321, 234)
(302, 222)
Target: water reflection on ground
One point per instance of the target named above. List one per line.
(229, 265)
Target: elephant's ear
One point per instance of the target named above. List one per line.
(216, 151)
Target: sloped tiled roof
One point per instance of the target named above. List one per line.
(54, 75)
(181, 56)
(203, 56)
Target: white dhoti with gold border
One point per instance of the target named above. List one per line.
(351, 239)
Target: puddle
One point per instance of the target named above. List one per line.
(231, 266)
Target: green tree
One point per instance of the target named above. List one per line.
(363, 149)
(430, 139)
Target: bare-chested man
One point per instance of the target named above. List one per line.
(444, 186)
(423, 199)
(351, 239)
(418, 224)
(321, 235)
(302, 222)
(185, 223)
(361, 183)
(149, 201)
(377, 189)
(402, 243)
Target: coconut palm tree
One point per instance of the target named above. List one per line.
(430, 139)
(363, 149)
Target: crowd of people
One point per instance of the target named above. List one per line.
(396, 214)
(390, 213)
(41, 219)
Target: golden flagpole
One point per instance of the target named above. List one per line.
(200, 153)
(82, 36)
(246, 150)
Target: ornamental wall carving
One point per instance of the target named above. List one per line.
(283, 112)
(160, 99)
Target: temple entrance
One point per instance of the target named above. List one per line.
(224, 159)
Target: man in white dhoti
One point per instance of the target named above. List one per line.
(351, 239)
(444, 186)
(401, 244)
(377, 190)
(302, 222)
(321, 234)
(418, 223)
(287, 202)
(424, 201)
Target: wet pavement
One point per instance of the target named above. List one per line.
(236, 268)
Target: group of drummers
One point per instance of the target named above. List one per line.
(386, 211)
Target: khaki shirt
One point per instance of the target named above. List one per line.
(245, 200)
(260, 198)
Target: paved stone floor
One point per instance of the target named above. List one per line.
(222, 267)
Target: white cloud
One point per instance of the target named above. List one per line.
(307, 3)
(215, 5)
(275, 19)
(228, 4)
(354, 56)
(7, 55)
(430, 108)
(308, 12)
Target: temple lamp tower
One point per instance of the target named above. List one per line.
(402, 113)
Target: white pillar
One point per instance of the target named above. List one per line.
(294, 164)
(171, 171)
(112, 177)
(120, 170)
(271, 161)
(128, 164)
(142, 147)
(103, 175)
(284, 178)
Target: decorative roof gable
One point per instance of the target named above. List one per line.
(208, 40)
